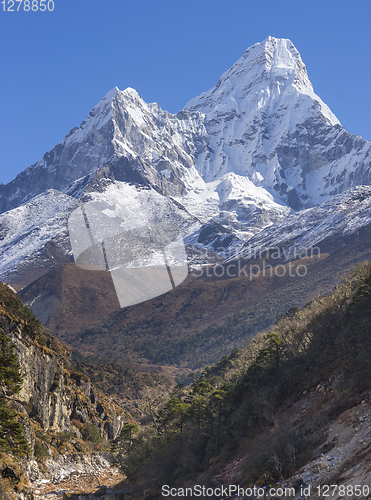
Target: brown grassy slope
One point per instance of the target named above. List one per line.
(84, 296)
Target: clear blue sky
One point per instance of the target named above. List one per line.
(55, 66)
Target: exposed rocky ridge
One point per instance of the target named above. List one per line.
(120, 125)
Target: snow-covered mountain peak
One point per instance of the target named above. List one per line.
(263, 101)
(283, 62)
(265, 74)
(102, 112)
(131, 102)
(130, 92)
(111, 94)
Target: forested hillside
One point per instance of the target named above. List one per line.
(324, 349)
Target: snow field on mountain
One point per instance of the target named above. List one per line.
(26, 229)
(341, 216)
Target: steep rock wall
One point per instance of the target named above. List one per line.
(52, 392)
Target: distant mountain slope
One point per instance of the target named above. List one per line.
(229, 170)
(310, 230)
(194, 325)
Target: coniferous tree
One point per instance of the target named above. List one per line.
(11, 431)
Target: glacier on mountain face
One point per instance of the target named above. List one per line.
(265, 122)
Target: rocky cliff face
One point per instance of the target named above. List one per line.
(120, 125)
(53, 405)
(52, 393)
